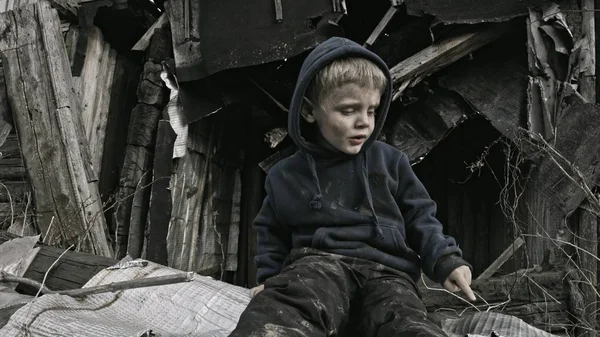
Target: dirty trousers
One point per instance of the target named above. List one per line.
(321, 294)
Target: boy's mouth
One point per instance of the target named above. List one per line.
(356, 140)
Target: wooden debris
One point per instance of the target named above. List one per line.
(55, 152)
(159, 212)
(587, 64)
(279, 11)
(276, 157)
(540, 299)
(188, 184)
(422, 125)
(86, 14)
(439, 55)
(381, 26)
(546, 76)
(231, 261)
(105, 288)
(587, 241)
(499, 262)
(144, 41)
(555, 187)
(94, 87)
(73, 269)
(135, 180)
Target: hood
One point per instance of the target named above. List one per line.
(327, 52)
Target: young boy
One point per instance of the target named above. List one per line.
(346, 226)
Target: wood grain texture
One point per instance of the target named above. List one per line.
(47, 117)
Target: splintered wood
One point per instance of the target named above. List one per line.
(47, 117)
(94, 87)
(441, 54)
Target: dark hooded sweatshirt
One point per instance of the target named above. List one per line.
(369, 205)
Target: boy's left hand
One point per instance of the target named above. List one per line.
(460, 279)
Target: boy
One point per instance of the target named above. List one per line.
(346, 226)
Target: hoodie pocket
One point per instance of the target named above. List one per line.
(402, 247)
(359, 236)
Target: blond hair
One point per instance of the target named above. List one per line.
(346, 70)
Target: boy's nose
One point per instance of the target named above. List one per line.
(362, 120)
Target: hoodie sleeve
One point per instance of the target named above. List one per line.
(274, 240)
(424, 233)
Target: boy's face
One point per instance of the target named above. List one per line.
(346, 116)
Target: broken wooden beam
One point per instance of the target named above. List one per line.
(499, 262)
(441, 54)
(47, 118)
(72, 270)
(381, 26)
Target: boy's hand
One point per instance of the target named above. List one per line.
(254, 291)
(460, 279)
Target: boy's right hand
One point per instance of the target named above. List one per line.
(460, 279)
(254, 291)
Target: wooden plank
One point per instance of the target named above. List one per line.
(587, 241)
(72, 271)
(144, 41)
(98, 131)
(134, 168)
(139, 210)
(499, 262)
(188, 184)
(278, 11)
(71, 44)
(588, 52)
(231, 263)
(87, 87)
(55, 154)
(381, 26)
(122, 102)
(136, 164)
(440, 54)
(159, 212)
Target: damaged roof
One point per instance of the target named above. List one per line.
(471, 11)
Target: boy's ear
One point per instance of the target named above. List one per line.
(307, 111)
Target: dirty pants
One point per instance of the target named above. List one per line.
(322, 294)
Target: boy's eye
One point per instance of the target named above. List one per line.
(371, 112)
(348, 111)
